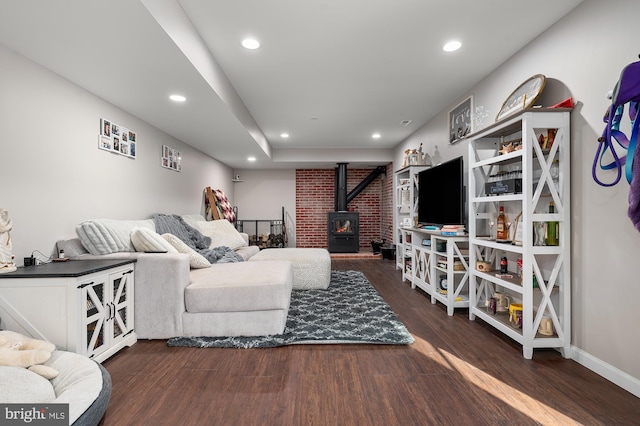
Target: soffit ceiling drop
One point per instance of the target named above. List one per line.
(330, 74)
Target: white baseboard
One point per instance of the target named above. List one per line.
(609, 372)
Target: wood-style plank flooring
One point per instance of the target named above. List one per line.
(458, 372)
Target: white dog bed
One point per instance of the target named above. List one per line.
(81, 382)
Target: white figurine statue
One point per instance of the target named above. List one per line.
(6, 257)
(424, 158)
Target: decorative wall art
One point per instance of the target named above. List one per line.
(478, 118)
(460, 123)
(523, 97)
(171, 158)
(118, 139)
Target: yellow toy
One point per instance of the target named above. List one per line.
(22, 351)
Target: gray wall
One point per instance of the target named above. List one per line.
(54, 176)
(262, 194)
(582, 56)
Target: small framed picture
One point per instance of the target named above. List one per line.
(124, 147)
(460, 122)
(406, 222)
(105, 127)
(104, 142)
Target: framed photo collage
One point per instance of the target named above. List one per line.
(117, 139)
(171, 158)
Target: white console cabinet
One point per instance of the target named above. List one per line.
(82, 306)
(440, 267)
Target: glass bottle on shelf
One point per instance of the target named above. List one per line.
(504, 265)
(552, 228)
(502, 231)
(539, 230)
(519, 264)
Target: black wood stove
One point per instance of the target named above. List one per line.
(343, 228)
(344, 232)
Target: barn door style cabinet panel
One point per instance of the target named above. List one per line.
(521, 284)
(108, 314)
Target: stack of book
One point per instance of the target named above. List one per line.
(452, 230)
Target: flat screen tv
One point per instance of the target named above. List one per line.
(441, 194)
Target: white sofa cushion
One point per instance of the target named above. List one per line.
(240, 287)
(196, 260)
(193, 219)
(146, 240)
(248, 251)
(105, 236)
(222, 233)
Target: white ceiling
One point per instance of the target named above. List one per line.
(329, 73)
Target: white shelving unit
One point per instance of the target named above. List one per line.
(82, 306)
(405, 214)
(544, 288)
(443, 258)
(407, 254)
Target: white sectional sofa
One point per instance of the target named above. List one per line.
(174, 299)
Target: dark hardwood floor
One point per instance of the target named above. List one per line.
(458, 372)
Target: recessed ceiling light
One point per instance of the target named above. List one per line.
(376, 136)
(250, 43)
(177, 98)
(284, 135)
(452, 46)
(251, 159)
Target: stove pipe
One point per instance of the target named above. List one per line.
(340, 198)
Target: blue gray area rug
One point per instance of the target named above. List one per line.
(349, 311)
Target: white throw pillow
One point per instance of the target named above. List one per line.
(149, 241)
(196, 260)
(105, 236)
(222, 233)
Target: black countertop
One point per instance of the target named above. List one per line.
(70, 268)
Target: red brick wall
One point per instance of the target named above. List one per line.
(315, 199)
(386, 218)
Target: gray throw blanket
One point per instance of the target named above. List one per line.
(174, 224)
